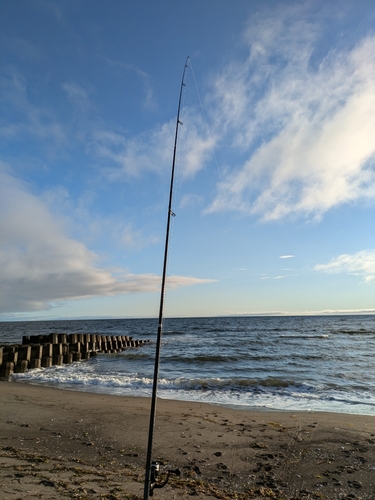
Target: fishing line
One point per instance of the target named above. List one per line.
(177, 186)
(152, 468)
(206, 122)
(234, 235)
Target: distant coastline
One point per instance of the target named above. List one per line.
(352, 312)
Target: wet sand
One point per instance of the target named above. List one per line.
(57, 444)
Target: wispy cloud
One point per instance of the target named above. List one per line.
(20, 116)
(77, 95)
(305, 128)
(22, 48)
(191, 200)
(41, 265)
(298, 131)
(152, 151)
(145, 79)
(281, 277)
(133, 156)
(361, 264)
(286, 256)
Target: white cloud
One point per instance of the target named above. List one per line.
(25, 117)
(304, 129)
(190, 200)
(195, 144)
(149, 100)
(40, 265)
(361, 264)
(152, 151)
(286, 256)
(284, 276)
(134, 156)
(78, 96)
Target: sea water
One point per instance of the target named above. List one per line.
(319, 363)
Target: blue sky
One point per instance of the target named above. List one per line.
(275, 180)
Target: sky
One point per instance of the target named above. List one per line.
(275, 174)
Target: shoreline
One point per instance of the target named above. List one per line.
(231, 406)
(58, 443)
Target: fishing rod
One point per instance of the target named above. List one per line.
(152, 468)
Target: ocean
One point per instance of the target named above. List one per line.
(316, 363)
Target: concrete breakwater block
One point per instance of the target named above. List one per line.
(24, 353)
(43, 351)
(58, 359)
(22, 366)
(47, 361)
(57, 349)
(6, 369)
(35, 363)
(36, 351)
(68, 358)
(47, 350)
(62, 338)
(10, 356)
(72, 338)
(53, 338)
(77, 356)
(75, 347)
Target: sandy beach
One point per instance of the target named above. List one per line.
(58, 444)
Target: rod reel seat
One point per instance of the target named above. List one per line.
(155, 472)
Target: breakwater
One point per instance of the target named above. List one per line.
(43, 351)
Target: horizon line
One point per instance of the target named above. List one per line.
(348, 312)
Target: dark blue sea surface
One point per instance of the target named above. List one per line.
(321, 363)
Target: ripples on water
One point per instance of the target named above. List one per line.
(288, 363)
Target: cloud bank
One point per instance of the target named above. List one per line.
(303, 126)
(360, 264)
(293, 130)
(41, 266)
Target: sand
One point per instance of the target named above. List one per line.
(58, 444)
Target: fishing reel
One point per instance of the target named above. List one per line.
(155, 471)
